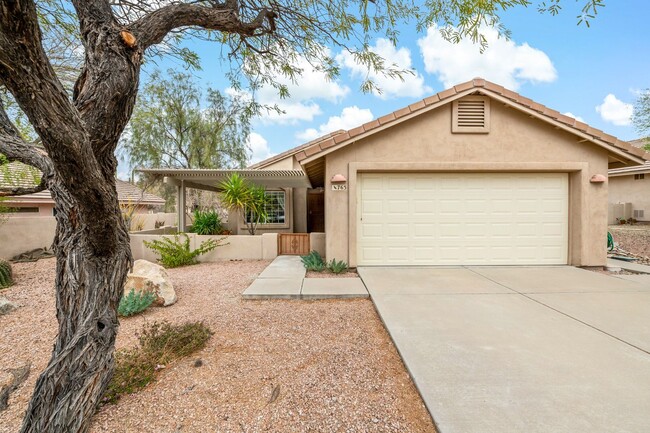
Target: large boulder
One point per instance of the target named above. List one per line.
(152, 278)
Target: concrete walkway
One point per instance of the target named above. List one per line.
(497, 349)
(285, 278)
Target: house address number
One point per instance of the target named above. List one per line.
(339, 187)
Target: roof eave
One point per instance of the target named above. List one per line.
(627, 158)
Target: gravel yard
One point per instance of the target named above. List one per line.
(336, 368)
(633, 238)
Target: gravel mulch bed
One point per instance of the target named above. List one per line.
(333, 363)
(632, 241)
(328, 274)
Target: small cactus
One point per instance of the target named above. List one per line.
(5, 274)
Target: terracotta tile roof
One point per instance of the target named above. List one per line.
(476, 85)
(17, 174)
(293, 151)
(645, 168)
(127, 192)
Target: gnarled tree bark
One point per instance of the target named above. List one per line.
(79, 137)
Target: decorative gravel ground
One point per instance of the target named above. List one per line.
(351, 273)
(634, 239)
(332, 361)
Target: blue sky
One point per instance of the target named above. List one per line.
(593, 73)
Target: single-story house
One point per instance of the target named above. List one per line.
(474, 175)
(42, 204)
(629, 190)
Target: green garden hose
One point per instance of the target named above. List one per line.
(610, 242)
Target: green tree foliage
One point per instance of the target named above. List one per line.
(171, 127)
(641, 116)
(248, 200)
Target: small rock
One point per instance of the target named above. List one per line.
(198, 363)
(152, 278)
(375, 420)
(6, 306)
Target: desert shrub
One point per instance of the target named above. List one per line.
(6, 275)
(337, 266)
(135, 302)
(159, 344)
(313, 262)
(175, 253)
(207, 222)
(158, 224)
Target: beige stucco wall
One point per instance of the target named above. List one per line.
(232, 247)
(44, 209)
(516, 142)
(624, 189)
(22, 234)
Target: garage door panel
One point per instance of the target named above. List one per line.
(463, 218)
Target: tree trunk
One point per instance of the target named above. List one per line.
(89, 288)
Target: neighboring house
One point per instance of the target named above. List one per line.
(629, 190)
(474, 175)
(42, 204)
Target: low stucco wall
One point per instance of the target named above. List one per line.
(236, 247)
(618, 211)
(21, 234)
(149, 220)
(317, 243)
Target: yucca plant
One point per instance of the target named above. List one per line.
(313, 262)
(249, 200)
(337, 267)
(6, 277)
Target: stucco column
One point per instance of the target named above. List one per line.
(180, 206)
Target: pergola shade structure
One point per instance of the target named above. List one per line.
(209, 180)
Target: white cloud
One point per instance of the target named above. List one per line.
(570, 114)
(615, 111)
(412, 85)
(503, 62)
(259, 147)
(350, 117)
(312, 85)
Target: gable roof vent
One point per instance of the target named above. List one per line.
(471, 114)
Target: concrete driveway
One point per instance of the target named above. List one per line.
(498, 349)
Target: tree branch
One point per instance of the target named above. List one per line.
(18, 190)
(27, 73)
(15, 148)
(224, 17)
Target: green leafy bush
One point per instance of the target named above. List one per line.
(337, 266)
(313, 262)
(175, 253)
(6, 275)
(160, 343)
(135, 302)
(207, 222)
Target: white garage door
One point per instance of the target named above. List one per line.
(462, 219)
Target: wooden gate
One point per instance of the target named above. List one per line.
(296, 244)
